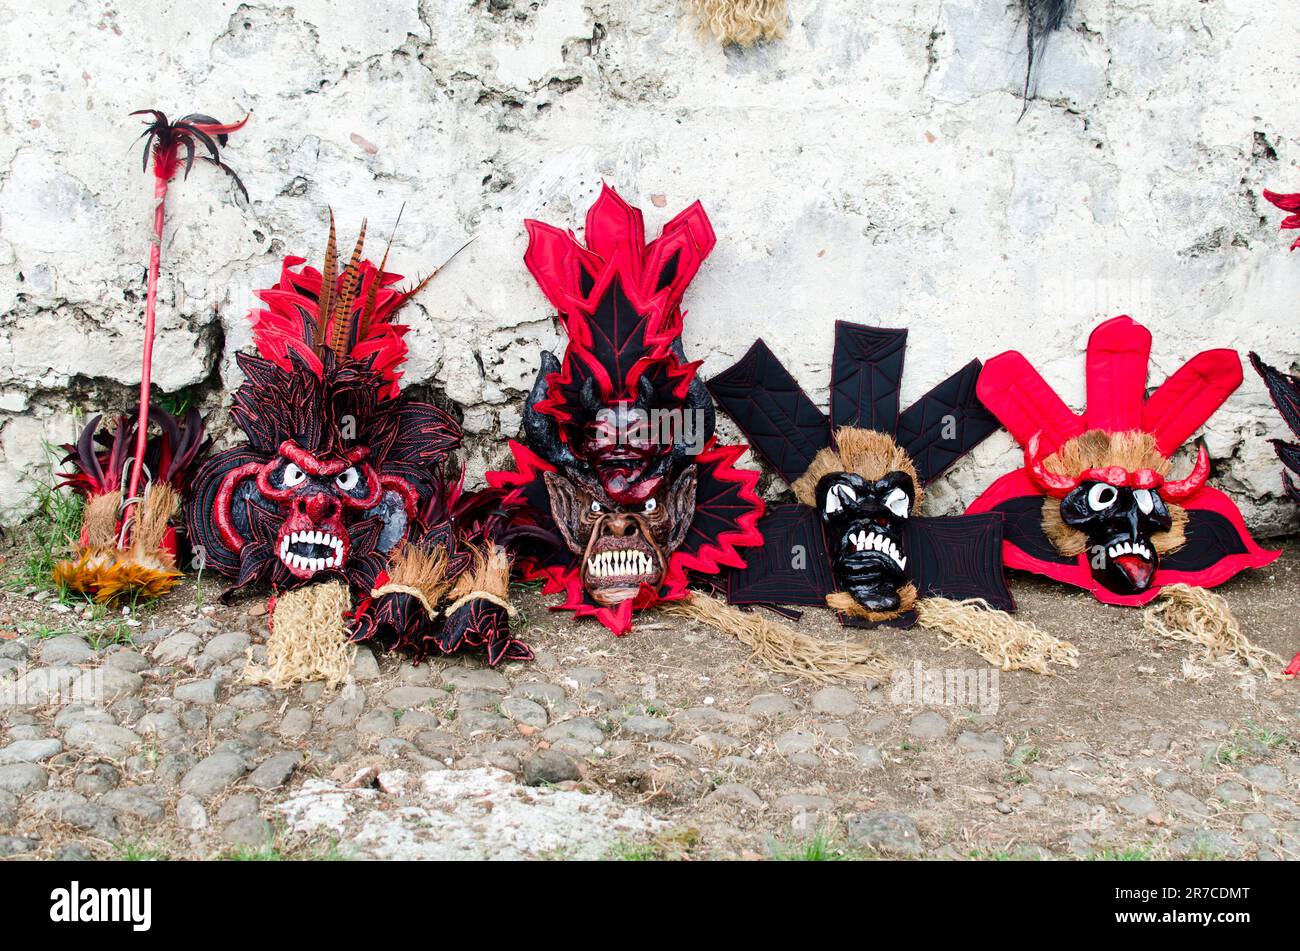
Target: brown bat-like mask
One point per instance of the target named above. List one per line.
(622, 546)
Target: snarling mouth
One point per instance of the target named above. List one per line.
(875, 541)
(311, 551)
(1136, 561)
(613, 574)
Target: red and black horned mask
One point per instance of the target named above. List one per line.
(1097, 504)
(621, 476)
(337, 462)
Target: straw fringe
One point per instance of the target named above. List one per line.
(99, 520)
(742, 22)
(845, 603)
(308, 639)
(488, 574)
(782, 649)
(421, 574)
(1199, 616)
(995, 635)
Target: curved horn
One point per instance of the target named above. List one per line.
(1185, 488)
(542, 432)
(1052, 483)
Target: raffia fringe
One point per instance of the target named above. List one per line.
(999, 638)
(308, 639)
(1199, 616)
(783, 649)
(742, 22)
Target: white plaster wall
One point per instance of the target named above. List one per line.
(871, 167)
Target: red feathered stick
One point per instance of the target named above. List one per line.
(164, 141)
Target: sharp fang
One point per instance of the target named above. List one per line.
(902, 563)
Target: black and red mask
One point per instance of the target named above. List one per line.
(854, 540)
(337, 462)
(1096, 504)
(625, 488)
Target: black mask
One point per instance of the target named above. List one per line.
(864, 525)
(1119, 522)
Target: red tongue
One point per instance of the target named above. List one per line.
(1138, 570)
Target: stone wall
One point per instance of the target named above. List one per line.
(872, 167)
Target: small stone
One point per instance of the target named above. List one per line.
(176, 648)
(30, 751)
(770, 705)
(105, 739)
(1188, 805)
(525, 711)
(22, 778)
(74, 852)
(97, 778)
(226, 647)
(835, 701)
(1159, 742)
(1170, 779)
(579, 728)
(127, 660)
(1267, 778)
(377, 723)
(365, 666)
(653, 727)
(878, 724)
(410, 696)
(107, 684)
(202, 692)
(586, 676)
(549, 766)
(158, 724)
(539, 692)
(1232, 792)
(795, 741)
(885, 831)
(173, 766)
(250, 831)
(1215, 727)
(66, 650)
(190, 814)
(275, 771)
(735, 792)
(474, 678)
(139, 802)
(213, 774)
(868, 756)
(254, 698)
(237, 807)
(928, 726)
(15, 845)
(1137, 804)
(981, 746)
(481, 721)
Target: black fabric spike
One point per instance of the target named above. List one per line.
(778, 418)
(866, 373)
(958, 556)
(945, 424)
(792, 567)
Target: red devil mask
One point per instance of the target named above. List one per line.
(1096, 504)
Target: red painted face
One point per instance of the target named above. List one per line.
(316, 497)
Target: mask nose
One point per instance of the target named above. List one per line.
(618, 526)
(318, 507)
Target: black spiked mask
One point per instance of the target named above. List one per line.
(864, 524)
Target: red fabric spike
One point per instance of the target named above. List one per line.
(1025, 404)
(1293, 668)
(1187, 399)
(1118, 353)
(1287, 203)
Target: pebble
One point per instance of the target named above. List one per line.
(525, 711)
(66, 650)
(795, 741)
(798, 802)
(735, 792)
(275, 770)
(254, 698)
(1230, 791)
(250, 831)
(586, 676)
(770, 705)
(190, 814)
(409, 696)
(836, 701)
(176, 648)
(928, 726)
(1267, 778)
(97, 778)
(475, 678)
(885, 831)
(1137, 804)
(127, 660)
(1187, 805)
(213, 774)
(539, 692)
(981, 746)
(140, 801)
(1171, 779)
(203, 692)
(377, 723)
(365, 666)
(549, 766)
(226, 647)
(237, 807)
(106, 739)
(30, 751)
(868, 756)
(654, 727)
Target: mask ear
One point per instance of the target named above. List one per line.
(565, 508)
(681, 507)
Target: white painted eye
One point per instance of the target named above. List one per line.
(1102, 496)
(596, 506)
(650, 505)
(293, 475)
(898, 503)
(347, 479)
(838, 497)
(1146, 502)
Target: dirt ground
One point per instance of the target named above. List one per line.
(1147, 750)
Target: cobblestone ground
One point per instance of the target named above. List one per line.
(667, 743)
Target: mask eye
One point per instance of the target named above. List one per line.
(898, 503)
(292, 475)
(1102, 496)
(347, 479)
(1145, 500)
(650, 505)
(597, 507)
(838, 497)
